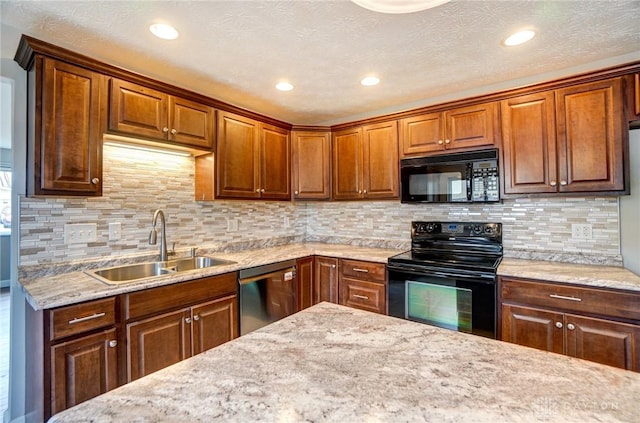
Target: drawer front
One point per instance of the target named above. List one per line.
(78, 318)
(364, 270)
(364, 295)
(156, 300)
(569, 298)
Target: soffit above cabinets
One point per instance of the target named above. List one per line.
(236, 51)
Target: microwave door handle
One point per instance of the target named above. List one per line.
(469, 176)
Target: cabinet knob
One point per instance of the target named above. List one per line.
(553, 183)
(563, 183)
(359, 191)
(188, 320)
(440, 142)
(95, 181)
(559, 325)
(173, 132)
(196, 317)
(165, 129)
(447, 141)
(258, 190)
(365, 191)
(571, 326)
(296, 192)
(262, 190)
(333, 266)
(113, 343)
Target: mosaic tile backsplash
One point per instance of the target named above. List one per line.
(136, 185)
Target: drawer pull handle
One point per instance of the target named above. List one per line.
(563, 297)
(357, 269)
(362, 297)
(84, 319)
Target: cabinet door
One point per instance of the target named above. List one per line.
(82, 369)
(472, 126)
(422, 134)
(304, 274)
(311, 167)
(275, 163)
(214, 323)
(591, 134)
(533, 327)
(529, 144)
(363, 295)
(137, 110)
(325, 282)
(380, 160)
(237, 160)
(68, 158)
(157, 342)
(191, 123)
(347, 164)
(603, 341)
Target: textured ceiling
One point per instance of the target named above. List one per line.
(237, 50)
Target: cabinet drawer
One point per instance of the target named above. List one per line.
(364, 295)
(155, 300)
(364, 270)
(569, 298)
(78, 318)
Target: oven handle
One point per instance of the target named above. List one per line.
(409, 269)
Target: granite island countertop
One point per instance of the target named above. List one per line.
(331, 363)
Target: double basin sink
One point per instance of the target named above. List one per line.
(133, 272)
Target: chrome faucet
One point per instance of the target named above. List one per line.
(153, 235)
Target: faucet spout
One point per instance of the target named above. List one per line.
(163, 234)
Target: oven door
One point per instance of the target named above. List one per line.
(457, 302)
(436, 183)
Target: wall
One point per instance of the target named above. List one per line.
(630, 209)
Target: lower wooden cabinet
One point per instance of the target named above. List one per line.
(214, 323)
(325, 281)
(304, 277)
(363, 285)
(83, 368)
(596, 337)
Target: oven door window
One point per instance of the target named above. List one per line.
(440, 305)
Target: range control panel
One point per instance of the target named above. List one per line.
(470, 229)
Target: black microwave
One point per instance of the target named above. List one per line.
(467, 177)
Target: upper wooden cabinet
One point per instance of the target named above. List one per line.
(141, 111)
(253, 159)
(365, 162)
(568, 140)
(67, 109)
(460, 128)
(311, 165)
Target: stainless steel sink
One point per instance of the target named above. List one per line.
(133, 272)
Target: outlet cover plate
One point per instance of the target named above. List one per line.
(581, 231)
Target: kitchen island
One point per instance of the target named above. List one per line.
(333, 363)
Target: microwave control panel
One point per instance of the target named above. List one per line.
(484, 182)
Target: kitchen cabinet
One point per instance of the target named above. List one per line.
(67, 108)
(592, 324)
(82, 357)
(568, 140)
(140, 111)
(304, 275)
(253, 159)
(365, 162)
(363, 285)
(325, 281)
(459, 128)
(168, 324)
(311, 165)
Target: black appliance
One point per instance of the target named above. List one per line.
(469, 177)
(448, 278)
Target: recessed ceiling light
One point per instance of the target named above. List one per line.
(519, 38)
(164, 31)
(396, 6)
(284, 86)
(370, 80)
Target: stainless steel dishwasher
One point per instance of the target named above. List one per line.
(267, 294)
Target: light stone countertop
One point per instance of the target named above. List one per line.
(579, 274)
(331, 363)
(44, 292)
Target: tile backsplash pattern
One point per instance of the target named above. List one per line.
(136, 185)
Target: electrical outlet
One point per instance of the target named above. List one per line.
(78, 233)
(232, 225)
(581, 231)
(115, 231)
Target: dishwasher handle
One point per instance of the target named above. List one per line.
(291, 271)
